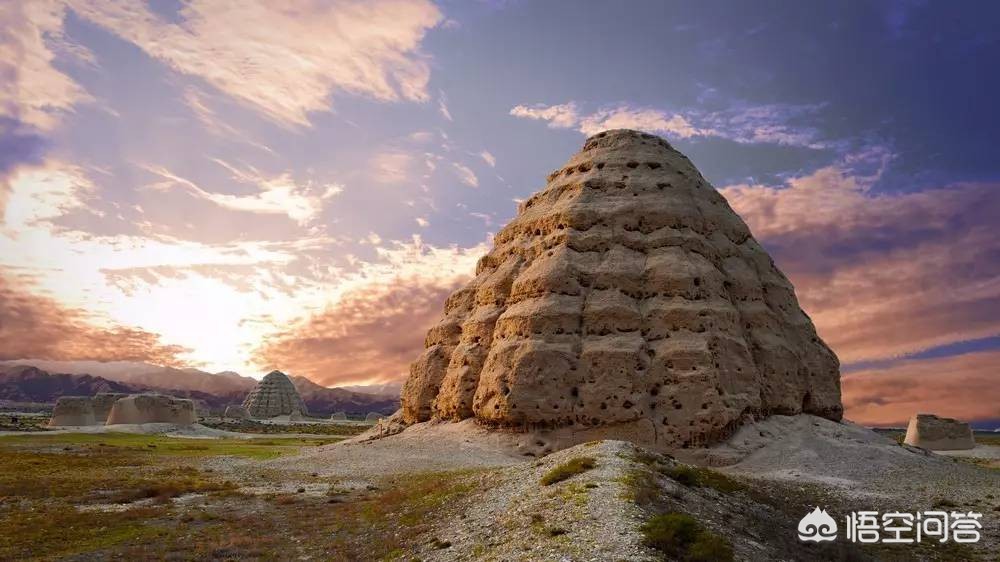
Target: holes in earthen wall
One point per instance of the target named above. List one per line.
(632, 164)
(653, 165)
(600, 165)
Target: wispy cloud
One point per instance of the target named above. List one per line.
(961, 386)
(443, 106)
(743, 123)
(284, 59)
(33, 325)
(488, 158)
(277, 194)
(393, 166)
(882, 274)
(374, 325)
(32, 90)
(465, 174)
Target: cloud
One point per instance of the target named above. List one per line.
(564, 116)
(375, 326)
(284, 59)
(488, 158)
(393, 166)
(961, 386)
(742, 123)
(32, 91)
(882, 274)
(42, 193)
(277, 194)
(36, 326)
(465, 174)
(443, 106)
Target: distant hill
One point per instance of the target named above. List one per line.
(324, 401)
(221, 384)
(25, 383)
(29, 383)
(388, 389)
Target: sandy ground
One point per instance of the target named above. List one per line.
(422, 448)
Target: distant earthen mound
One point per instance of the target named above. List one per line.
(152, 408)
(236, 412)
(73, 411)
(103, 402)
(274, 395)
(626, 300)
(939, 434)
(338, 416)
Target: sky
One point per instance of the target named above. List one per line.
(248, 185)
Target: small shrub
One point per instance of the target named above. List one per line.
(556, 531)
(568, 469)
(703, 478)
(709, 547)
(681, 536)
(683, 474)
(944, 502)
(641, 487)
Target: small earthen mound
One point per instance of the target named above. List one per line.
(928, 431)
(374, 417)
(73, 411)
(152, 408)
(274, 395)
(626, 300)
(338, 416)
(236, 413)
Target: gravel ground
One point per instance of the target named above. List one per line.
(422, 448)
(509, 515)
(868, 470)
(581, 519)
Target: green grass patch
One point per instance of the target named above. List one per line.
(159, 445)
(696, 477)
(253, 426)
(641, 487)
(681, 536)
(57, 531)
(568, 469)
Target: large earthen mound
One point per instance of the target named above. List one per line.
(274, 395)
(625, 300)
(939, 434)
(152, 408)
(73, 411)
(103, 402)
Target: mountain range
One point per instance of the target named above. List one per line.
(46, 381)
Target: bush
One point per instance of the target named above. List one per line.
(568, 470)
(704, 478)
(681, 536)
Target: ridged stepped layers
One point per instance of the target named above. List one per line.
(274, 395)
(625, 297)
